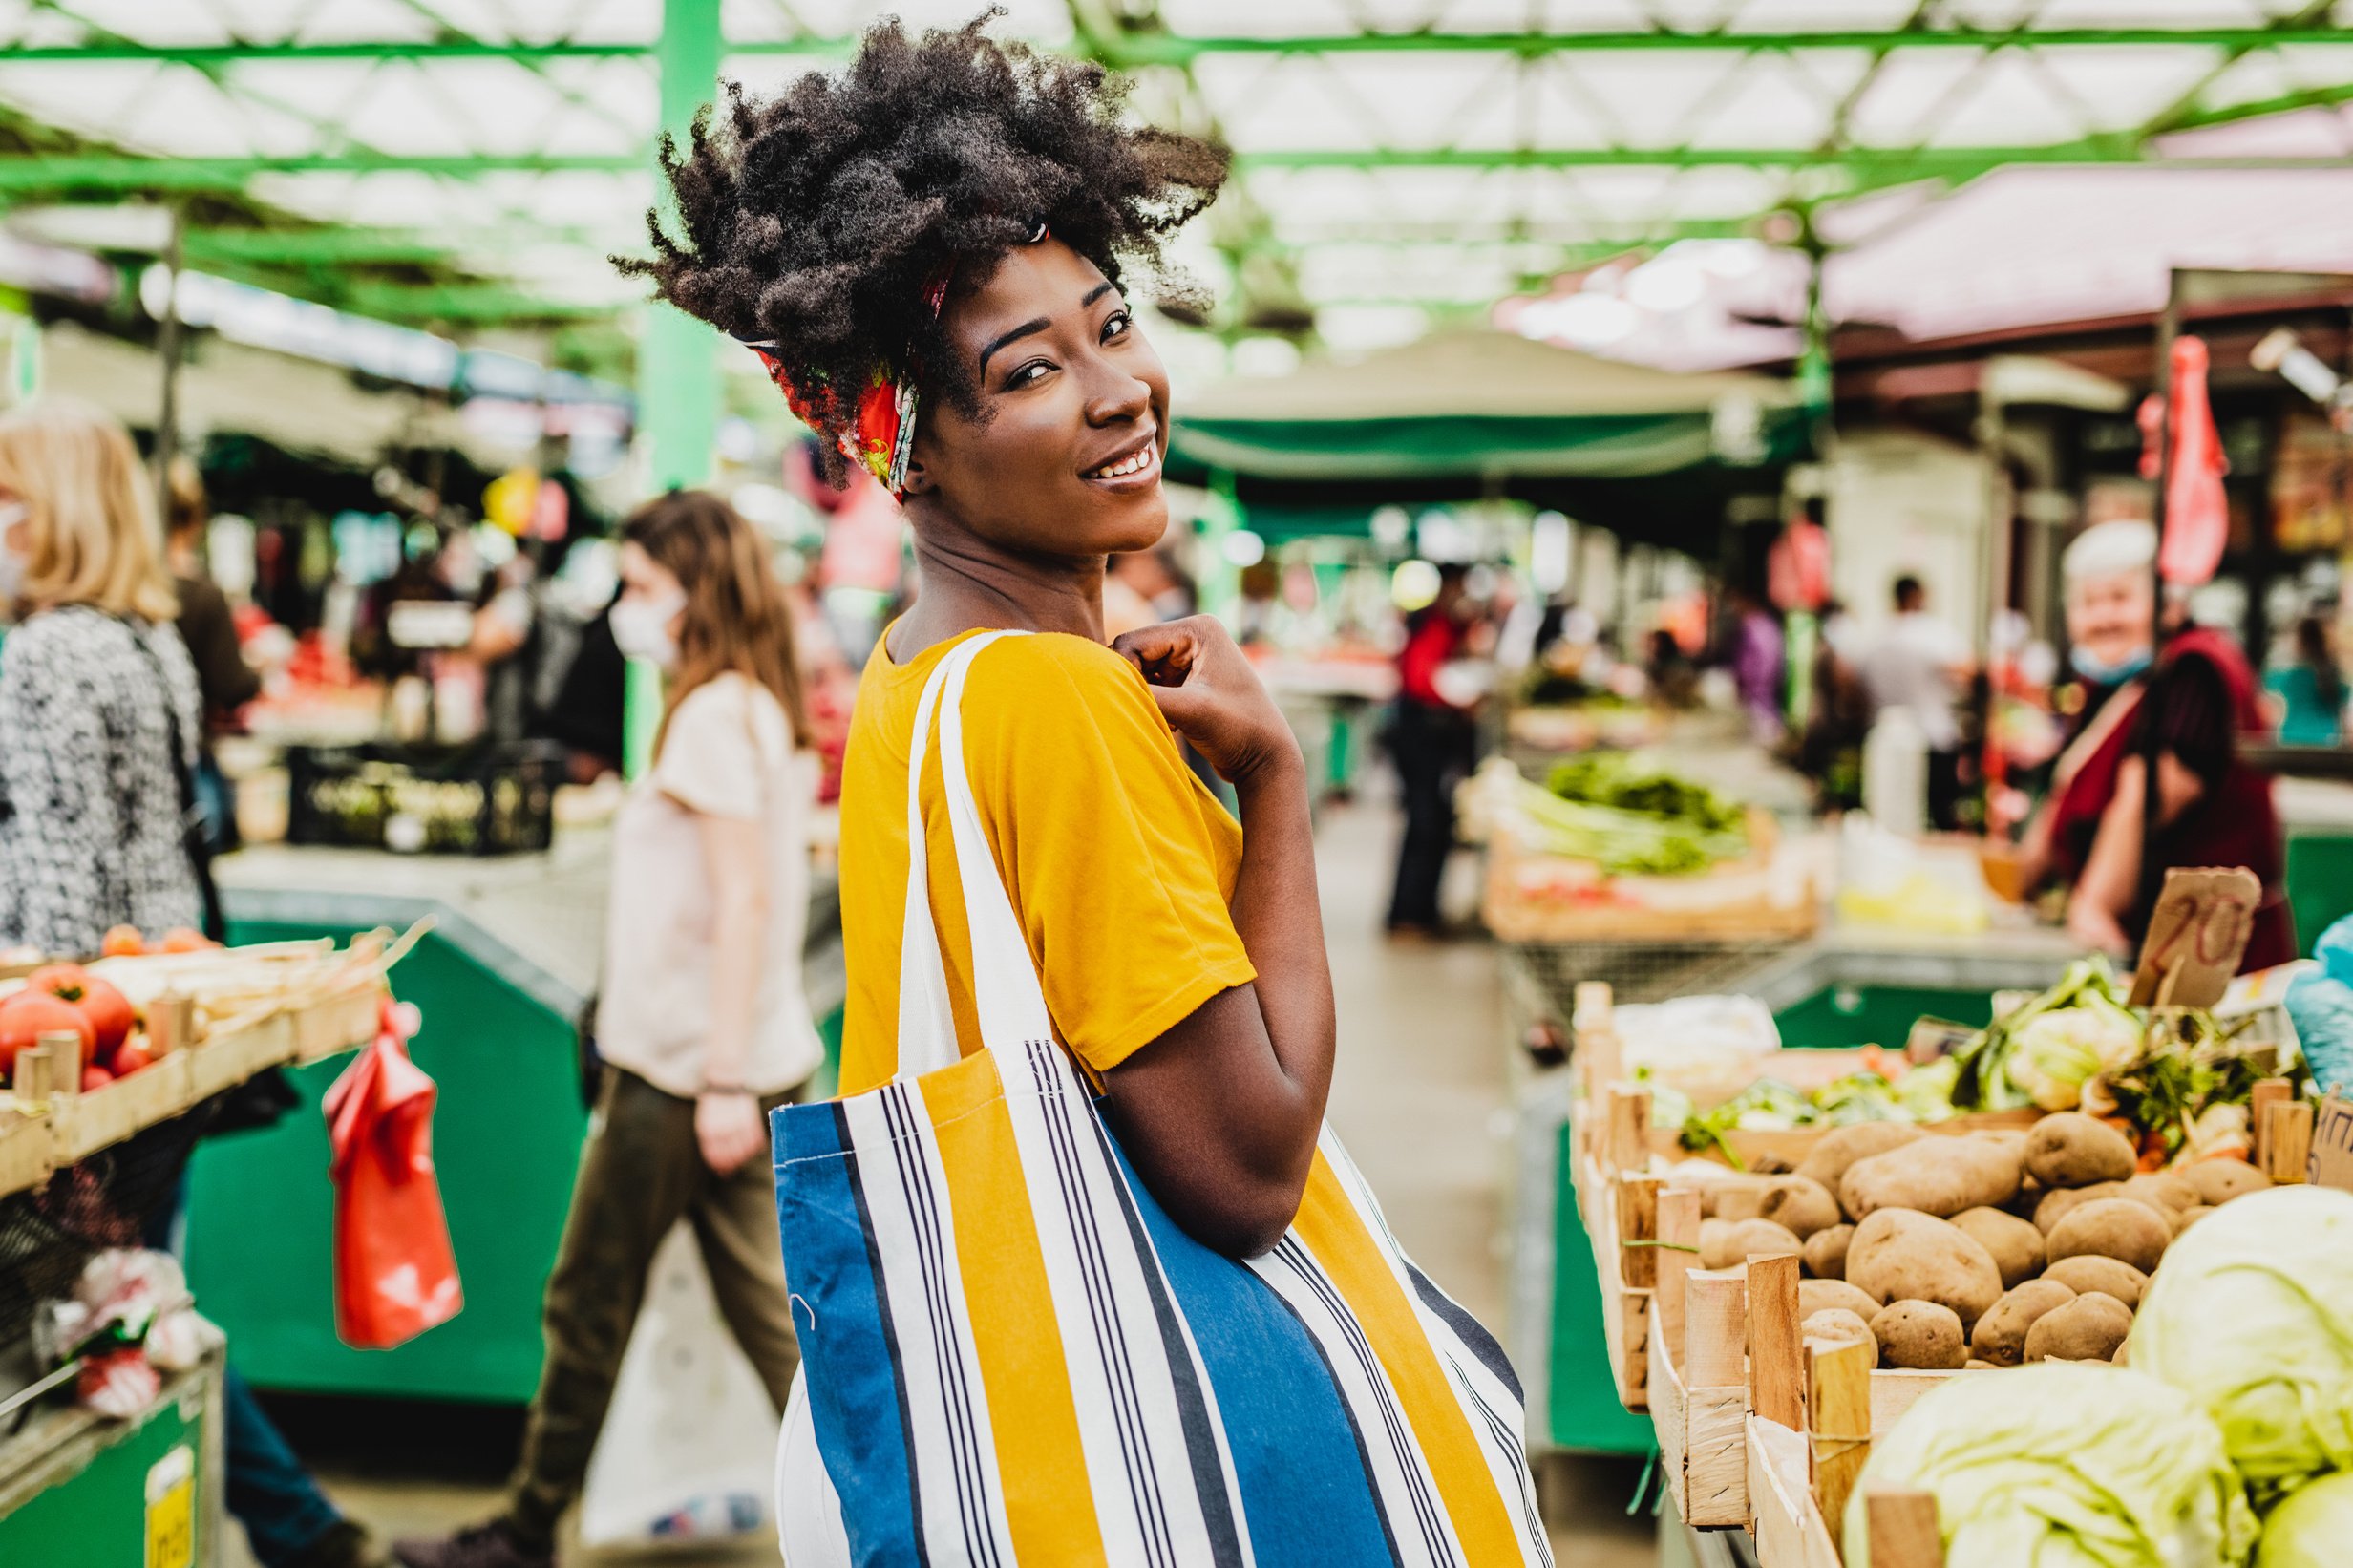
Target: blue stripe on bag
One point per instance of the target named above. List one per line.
(849, 1354)
(1283, 1419)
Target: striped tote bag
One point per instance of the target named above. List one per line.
(1011, 1355)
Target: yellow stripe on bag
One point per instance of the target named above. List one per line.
(1351, 1260)
(1048, 1504)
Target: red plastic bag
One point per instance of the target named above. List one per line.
(395, 1276)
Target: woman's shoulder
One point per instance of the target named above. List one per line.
(734, 701)
(67, 635)
(1055, 668)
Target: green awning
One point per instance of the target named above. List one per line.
(1484, 406)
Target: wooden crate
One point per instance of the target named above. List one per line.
(26, 1152)
(336, 1024)
(223, 1061)
(81, 1124)
(1685, 911)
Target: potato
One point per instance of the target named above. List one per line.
(1832, 1295)
(2090, 1328)
(1842, 1146)
(1935, 1176)
(1825, 1252)
(2072, 1150)
(2219, 1181)
(2000, 1336)
(2161, 1190)
(1739, 1238)
(2059, 1201)
(2091, 1272)
(1973, 1365)
(1902, 1254)
(1800, 1203)
(2111, 1227)
(1836, 1323)
(2184, 1219)
(1921, 1334)
(1733, 1201)
(2015, 1245)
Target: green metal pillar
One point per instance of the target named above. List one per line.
(677, 362)
(677, 358)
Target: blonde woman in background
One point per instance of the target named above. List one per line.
(100, 723)
(99, 711)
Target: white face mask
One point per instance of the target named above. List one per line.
(642, 628)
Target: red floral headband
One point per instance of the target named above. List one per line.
(881, 432)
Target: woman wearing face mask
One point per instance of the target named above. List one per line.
(2200, 698)
(99, 714)
(702, 1022)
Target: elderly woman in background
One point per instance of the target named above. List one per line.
(2198, 698)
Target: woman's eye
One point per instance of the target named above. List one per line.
(1118, 326)
(1027, 374)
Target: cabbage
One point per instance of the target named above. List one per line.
(2058, 1051)
(2250, 1314)
(2064, 1465)
(2313, 1529)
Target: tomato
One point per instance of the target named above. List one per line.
(106, 1009)
(95, 1076)
(181, 939)
(30, 1014)
(123, 942)
(130, 1058)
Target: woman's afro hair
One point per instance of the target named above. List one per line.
(822, 219)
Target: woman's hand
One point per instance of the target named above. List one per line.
(1209, 693)
(727, 1128)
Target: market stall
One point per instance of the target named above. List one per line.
(111, 1416)
(1794, 1249)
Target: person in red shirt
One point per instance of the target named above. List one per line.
(1432, 741)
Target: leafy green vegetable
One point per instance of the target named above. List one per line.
(1772, 1106)
(2252, 1316)
(1984, 1082)
(2313, 1529)
(1625, 843)
(1617, 780)
(2064, 1465)
(2055, 1054)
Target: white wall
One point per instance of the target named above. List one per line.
(1900, 501)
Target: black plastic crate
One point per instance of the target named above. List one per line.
(481, 799)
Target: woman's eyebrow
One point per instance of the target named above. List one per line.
(1039, 324)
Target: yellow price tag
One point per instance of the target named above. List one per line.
(171, 1511)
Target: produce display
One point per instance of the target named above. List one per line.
(2228, 1429)
(1611, 810)
(1888, 1090)
(2181, 1078)
(69, 998)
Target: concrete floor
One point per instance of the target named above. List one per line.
(1418, 1097)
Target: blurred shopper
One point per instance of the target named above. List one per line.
(100, 708)
(1759, 664)
(1920, 663)
(209, 630)
(2310, 691)
(101, 712)
(1433, 741)
(1838, 720)
(2198, 699)
(1674, 679)
(702, 1025)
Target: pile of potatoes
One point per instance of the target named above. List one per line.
(1983, 1248)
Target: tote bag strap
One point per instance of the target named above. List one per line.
(1005, 981)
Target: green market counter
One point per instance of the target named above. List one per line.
(500, 979)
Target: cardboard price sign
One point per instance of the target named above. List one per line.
(2197, 934)
(2332, 1145)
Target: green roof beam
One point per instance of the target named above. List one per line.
(312, 246)
(1178, 48)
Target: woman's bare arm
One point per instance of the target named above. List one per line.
(1220, 1115)
(2104, 894)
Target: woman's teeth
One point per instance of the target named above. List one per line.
(1137, 465)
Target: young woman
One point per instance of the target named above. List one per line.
(702, 1024)
(928, 252)
(100, 713)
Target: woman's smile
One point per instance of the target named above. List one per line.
(1136, 466)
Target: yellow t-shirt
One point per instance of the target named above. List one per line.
(1119, 863)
